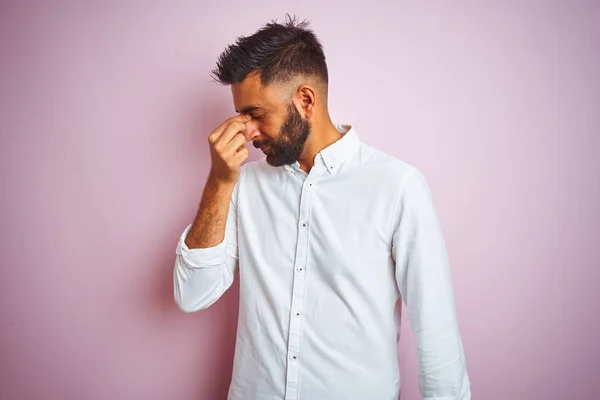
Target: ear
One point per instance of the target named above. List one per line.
(306, 98)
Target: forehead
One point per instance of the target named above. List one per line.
(252, 93)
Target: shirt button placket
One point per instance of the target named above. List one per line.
(295, 333)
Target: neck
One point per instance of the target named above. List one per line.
(321, 136)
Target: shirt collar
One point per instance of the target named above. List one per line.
(339, 151)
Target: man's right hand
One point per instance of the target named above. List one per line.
(228, 149)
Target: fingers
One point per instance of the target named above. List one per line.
(238, 118)
(234, 132)
(227, 150)
(237, 143)
(234, 128)
(216, 134)
(241, 155)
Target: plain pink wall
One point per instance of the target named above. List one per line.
(105, 109)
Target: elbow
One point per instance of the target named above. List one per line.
(187, 306)
(190, 302)
(196, 289)
(184, 304)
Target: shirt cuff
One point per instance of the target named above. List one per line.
(200, 258)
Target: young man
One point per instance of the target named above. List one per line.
(328, 234)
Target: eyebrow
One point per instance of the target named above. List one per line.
(248, 109)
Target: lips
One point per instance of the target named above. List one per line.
(264, 147)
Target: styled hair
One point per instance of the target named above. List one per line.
(277, 51)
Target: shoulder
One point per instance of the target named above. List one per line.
(406, 179)
(392, 169)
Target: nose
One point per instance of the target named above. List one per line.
(251, 131)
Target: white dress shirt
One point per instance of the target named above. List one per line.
(324, 260)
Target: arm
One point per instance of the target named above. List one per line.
(207, 251)
(424, 281)
(207, 254)
(208, 229)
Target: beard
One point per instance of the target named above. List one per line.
(287, 148)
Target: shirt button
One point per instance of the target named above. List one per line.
(303, 224)
(300, 269)
(297, 313)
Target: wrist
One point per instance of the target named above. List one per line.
(220, 184)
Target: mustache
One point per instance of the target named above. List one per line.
(258, 145)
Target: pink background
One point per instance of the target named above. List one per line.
(105, 109)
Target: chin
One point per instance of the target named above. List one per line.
(276, 162)
(272, 163)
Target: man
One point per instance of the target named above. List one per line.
(328, 235)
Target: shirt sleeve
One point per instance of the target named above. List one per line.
(424, 281)
(201, 276)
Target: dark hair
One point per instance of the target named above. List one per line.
(278, 52)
